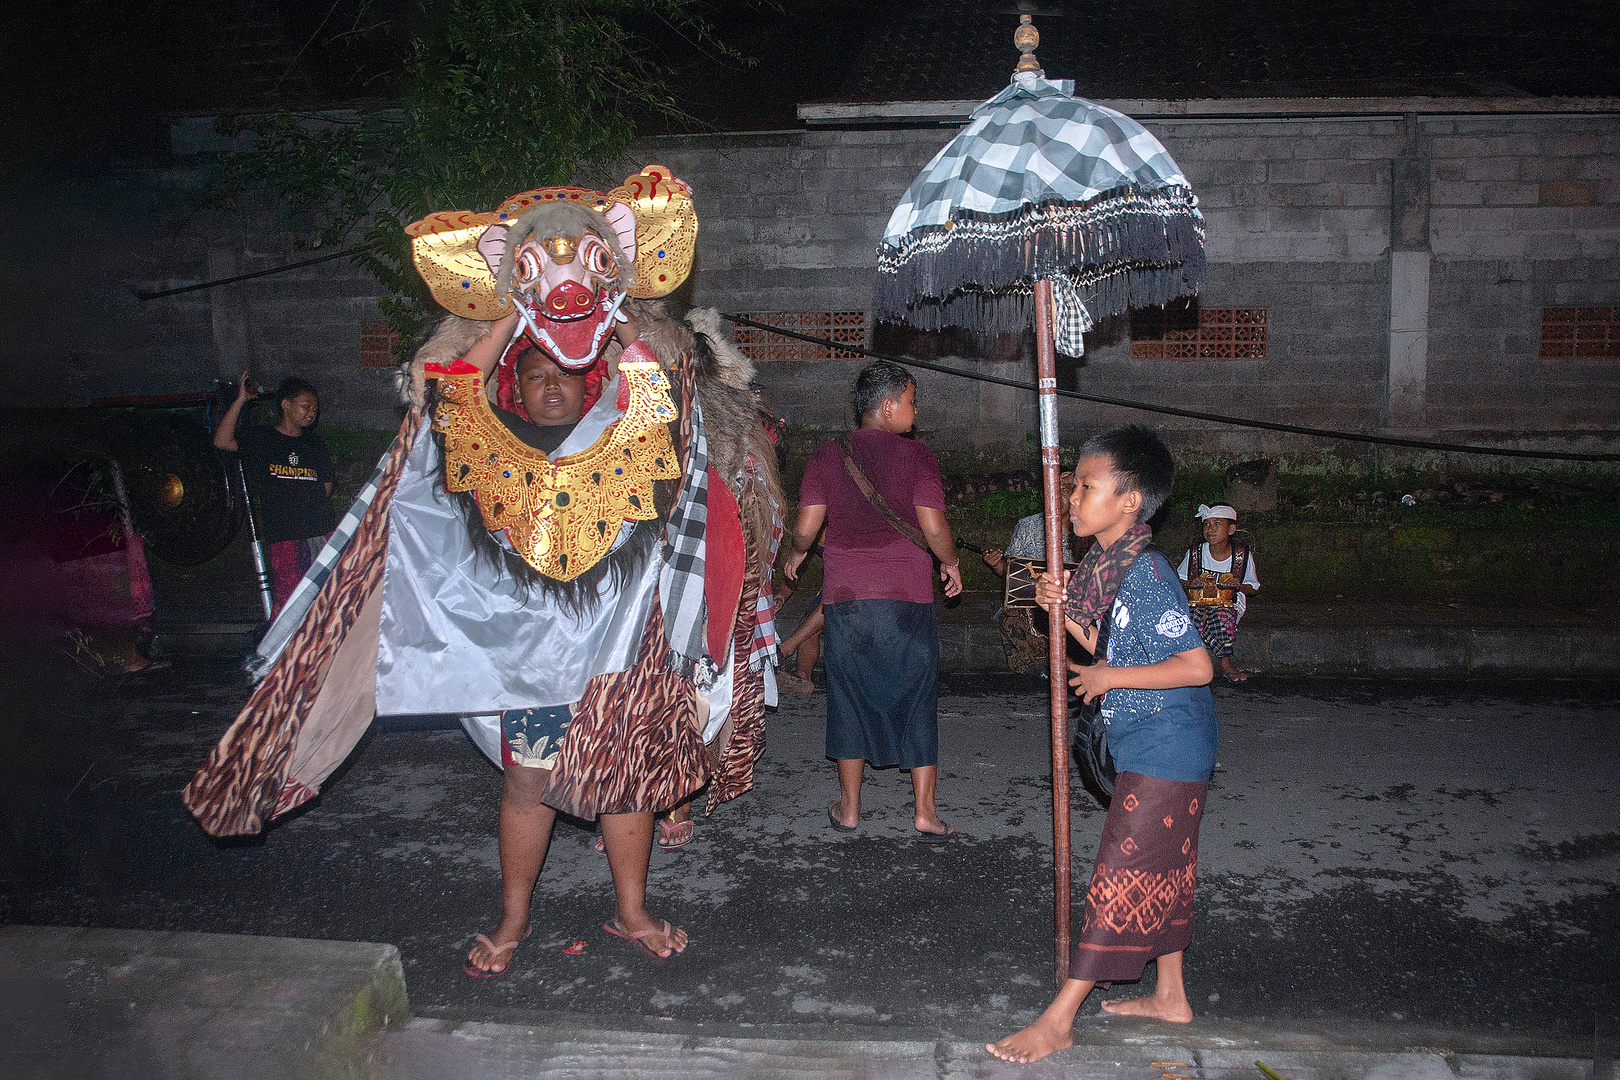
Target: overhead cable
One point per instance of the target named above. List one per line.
(1170, 410)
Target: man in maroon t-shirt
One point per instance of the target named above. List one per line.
(881, 643)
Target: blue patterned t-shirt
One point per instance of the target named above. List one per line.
(1169, 734)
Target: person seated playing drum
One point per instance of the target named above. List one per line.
(1219, 577)
(1024, 629)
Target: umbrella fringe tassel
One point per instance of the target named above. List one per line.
(1128, 249)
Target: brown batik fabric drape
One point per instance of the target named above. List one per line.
(740, 745)
(244, 782)
(633, 744)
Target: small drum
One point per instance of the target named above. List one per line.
(1219, 593)
(1021, 577)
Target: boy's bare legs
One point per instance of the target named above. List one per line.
(628, 840)
(923, 780)
(1051, 1032)
(525, 835)
(806, 642)
(848, 807)
(1169, 1000)
(807, 653)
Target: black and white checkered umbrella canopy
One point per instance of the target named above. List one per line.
(1041, 184)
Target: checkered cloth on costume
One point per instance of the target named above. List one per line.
(680, 583)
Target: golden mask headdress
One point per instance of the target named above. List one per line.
(444, 245)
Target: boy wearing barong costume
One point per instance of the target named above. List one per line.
(592, 605)
(1151, 671)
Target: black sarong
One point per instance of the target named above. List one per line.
(882, 682)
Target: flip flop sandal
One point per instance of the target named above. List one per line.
(937, 838)
(832, 819)
(496, 952)
(635, 937)
(671, 834)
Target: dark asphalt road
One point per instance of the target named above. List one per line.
(1423, 854)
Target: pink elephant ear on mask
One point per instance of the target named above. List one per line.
(623, 221)
(492, 246)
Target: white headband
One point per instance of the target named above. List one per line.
(1222, 511)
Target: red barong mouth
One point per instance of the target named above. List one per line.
(574, 342)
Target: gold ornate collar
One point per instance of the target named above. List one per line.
(560, 515)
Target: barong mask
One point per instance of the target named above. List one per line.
(567, 257)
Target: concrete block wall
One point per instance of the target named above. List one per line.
(1299, 222)
(1524, 215)
(1521, 213)
(90, 242)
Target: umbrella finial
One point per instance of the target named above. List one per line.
(1026, 37)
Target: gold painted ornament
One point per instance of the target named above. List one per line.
(444, 245)
(561, 516)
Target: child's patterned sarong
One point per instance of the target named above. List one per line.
(1217, 625)
(1140, 903)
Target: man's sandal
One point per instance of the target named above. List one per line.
(496, 952)
(674, 834)
(635, 938)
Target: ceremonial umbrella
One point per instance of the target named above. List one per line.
(1050, 207)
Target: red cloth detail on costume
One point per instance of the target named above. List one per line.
(637, 352)
(456, 366)
(724, 560)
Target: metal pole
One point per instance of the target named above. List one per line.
(1057, 654)
(261, 571)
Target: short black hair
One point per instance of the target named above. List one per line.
(292, 386)
(1140, 461)
(878, 382)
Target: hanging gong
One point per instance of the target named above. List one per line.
(180, 492)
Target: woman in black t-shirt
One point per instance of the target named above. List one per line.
(289, 472)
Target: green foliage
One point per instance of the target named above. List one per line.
(493, 97)
(1010, 504)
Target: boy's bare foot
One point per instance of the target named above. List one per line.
(494, 953)
(1041, 1039)
(1154, 1008)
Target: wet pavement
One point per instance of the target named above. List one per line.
(1436, 861)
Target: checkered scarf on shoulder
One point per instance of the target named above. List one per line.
(1092, 588)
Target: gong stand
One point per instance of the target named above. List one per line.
(1057, 651)
(261, 571)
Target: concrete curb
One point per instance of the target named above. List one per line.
(115, 1003)
(476, 1049)
(91, 1002)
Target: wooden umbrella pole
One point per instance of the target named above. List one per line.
(1057, 655)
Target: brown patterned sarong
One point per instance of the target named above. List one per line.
(1217, 625)
(633, 745)
(1140, 903)
(1024, 641)
(741, 741)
